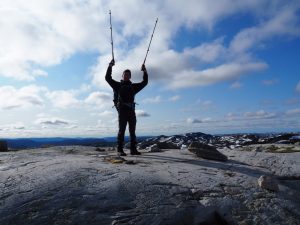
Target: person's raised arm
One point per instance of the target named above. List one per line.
(108, 77)
(141, 85)
(145, 76)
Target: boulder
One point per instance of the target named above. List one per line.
(258, 149)
(154, 148)
(206, 151)
(167, 145)
(269, 183)
(297, 143)
(3, 146)
(100, 149)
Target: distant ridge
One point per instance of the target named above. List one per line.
(25, 143)
(181, 140)
(221, 141)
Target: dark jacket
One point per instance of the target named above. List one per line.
(135, 87)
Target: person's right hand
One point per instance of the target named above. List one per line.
(143, 68)
(112, 63)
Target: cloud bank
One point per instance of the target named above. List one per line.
(38, 34)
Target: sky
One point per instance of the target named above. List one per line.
(223, 66)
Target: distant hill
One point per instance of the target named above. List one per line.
(25, 143)
(180, 140)
(221, 141)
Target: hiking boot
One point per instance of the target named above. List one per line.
(135, 152)
(121, 153)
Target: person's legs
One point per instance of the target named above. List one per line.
(121, 133)
(132, 126)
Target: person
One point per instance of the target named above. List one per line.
(124, 93)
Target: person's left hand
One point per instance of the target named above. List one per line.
(143, 68)
(112, 63)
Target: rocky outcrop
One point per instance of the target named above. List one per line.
(269, 183)
(80, 185)
(153, 148)
(221, 141)
(206, 151)
(166, 145)
(156, 146)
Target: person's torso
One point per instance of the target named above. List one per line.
(126, 92)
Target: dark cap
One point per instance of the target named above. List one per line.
(127, 71)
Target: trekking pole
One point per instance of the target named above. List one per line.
(150, 41)
(111, 37)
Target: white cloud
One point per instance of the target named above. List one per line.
(203, 105)
(43, 33)
(39, 73)
(231, 116)
(284, 22)
(207, 63)
(257, 115)
(141, 113)
(236, 85)
(106, 113)
(261, 114)
(270, 82)
(99, 98)
(52, 121)
(220, 73)
(63, 99)
(68, 98)
(175, 98)
(298, 87)
(156, 99)
(18, 126)
(36, 34)
(207, 52)
(293, 112)
(292, 101)
(206, 103)
(187, 72)
(27, 96)
(13, 127)
(84, 88)
(194, 120)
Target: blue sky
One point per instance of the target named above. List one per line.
(220, 66)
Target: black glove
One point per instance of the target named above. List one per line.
(143, 68)
(112, 63)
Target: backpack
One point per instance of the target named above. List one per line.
(121, 94)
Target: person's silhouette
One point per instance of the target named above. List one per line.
(124, 92)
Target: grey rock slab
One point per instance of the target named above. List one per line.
(206, 151)
(153, 148)
(74, 185)
(268, 182)
(279, 164)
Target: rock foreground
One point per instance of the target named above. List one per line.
(76, 185)
(206, 151)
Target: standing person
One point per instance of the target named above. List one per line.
(124, 92)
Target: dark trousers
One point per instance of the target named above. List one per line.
(126, 116)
